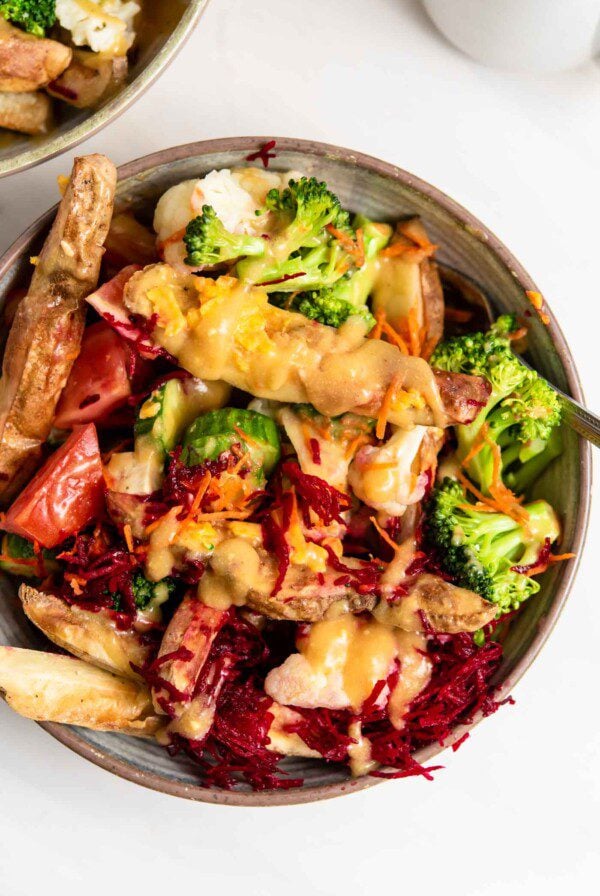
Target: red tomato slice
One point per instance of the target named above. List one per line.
(64, 496)
(98, 382)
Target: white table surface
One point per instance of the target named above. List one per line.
(517, 807)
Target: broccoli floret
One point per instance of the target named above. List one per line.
(522, 411)
(301, 253)
(34, 16)
(145, 592)
(348, 296)
(324, 306)
(480, 549)
(208, 242)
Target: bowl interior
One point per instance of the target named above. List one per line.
(385, 193)
(161, 29)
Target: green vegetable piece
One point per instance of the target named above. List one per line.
(19, 558)
(480, 549)
(208, 242)
(522, 412)
(148, 593)
(34, 16)
(162, 416)
(215, 432)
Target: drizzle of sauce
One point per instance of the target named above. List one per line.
(231, 332)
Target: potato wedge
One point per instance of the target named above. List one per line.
(27, 113)
(439, 604)
(49, 687)
(46, 333)
(88, 79)
(92, 637)
(409, 283)
(28, 62)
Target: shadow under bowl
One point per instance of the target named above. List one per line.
(383, 192)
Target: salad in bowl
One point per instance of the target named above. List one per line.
(267, 483)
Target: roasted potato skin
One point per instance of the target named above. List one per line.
(88, 79)
(46, 333)
(91, 636)
(50, 687)
(28, 62)
(27, 113)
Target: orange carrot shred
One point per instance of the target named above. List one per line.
(384, 410)
(385, 535)
(128, 537)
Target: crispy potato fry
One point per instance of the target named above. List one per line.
(92, 637)
(48, 687)
(28, 113)
(88, 78)
(46, 333)
(28, 62)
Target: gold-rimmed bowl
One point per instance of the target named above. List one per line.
(162, 29)
(383, 192)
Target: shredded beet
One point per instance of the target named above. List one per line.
(264, 153)
(276, 543)
(538, 564)
(283, 279)
(326, 501)
(315, 450)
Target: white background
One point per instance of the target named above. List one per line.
(516, 810)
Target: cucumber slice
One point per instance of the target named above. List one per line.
(17, 557)
(213, 433)
(162, 416)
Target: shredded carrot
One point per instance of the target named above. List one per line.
(393, 335)
(161, 245)
(241, 463)
(378, 328)
(428, 347)
(202, 488)
(244, 435)
(457, 315)
(384, 534)
(407, 229)
(169, 514)
(385, 408)
(128, 537)
(392, 465)
(558, 558)
(20, 561)
(75, 582)
(413, 333)
(537, 301)
(518, 334)
(225, 515)
(356, 248)
(355, 444)
(477, 446)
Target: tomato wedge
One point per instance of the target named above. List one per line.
(99, 380)
(64, 496)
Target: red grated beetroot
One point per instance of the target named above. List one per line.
(315, 451)
(275, 542)
(313, 492)
(365, 579)
(264, 153)
(543, 559)
(283, 279)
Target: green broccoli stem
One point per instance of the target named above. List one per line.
(521, 480)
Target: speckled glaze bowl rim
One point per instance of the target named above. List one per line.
(120, 102)
(463, 219)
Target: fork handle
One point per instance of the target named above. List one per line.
(581, 420)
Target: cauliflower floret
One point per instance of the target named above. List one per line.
(296, 683)
(104, 25)
(235, 195)
(391, 477)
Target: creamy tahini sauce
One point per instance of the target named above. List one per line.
(225, 330)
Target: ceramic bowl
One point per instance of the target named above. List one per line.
(383, 192)
(162, 31)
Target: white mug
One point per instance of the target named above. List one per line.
(525, 35)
